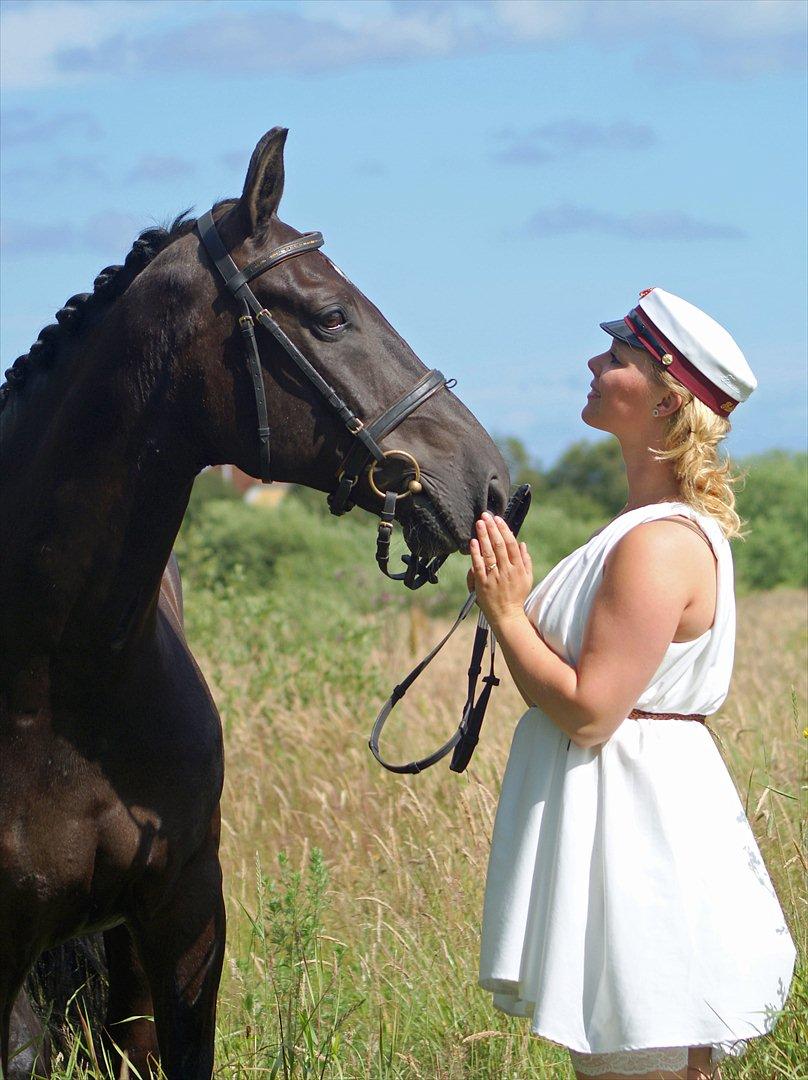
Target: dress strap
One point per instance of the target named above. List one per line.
(678, 519)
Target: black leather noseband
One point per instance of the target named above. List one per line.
(365, 453)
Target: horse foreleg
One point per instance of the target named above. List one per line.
(182, 948)
(29, 1045)
(129, 1034)
(24, 1046)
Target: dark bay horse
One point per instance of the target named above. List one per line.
(110, 743)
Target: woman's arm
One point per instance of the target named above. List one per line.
(521, 686)
(648, 581)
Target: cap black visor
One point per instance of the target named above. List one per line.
(618, 329)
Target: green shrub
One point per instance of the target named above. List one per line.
(773, 501)
(303, 559)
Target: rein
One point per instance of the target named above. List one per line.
(465, 739)
(365, 453)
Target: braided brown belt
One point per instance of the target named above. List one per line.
(638, 714)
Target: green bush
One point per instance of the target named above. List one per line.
(594, 470)
(775, 488)
(772, 499)
(298, 559)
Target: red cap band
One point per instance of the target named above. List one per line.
(665, 353)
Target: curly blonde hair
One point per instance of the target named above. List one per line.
(691, 442)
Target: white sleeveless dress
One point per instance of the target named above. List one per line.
(627, 905)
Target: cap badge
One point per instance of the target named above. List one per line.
(666, 359)
(728, 406)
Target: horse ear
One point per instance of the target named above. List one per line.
(264, 184)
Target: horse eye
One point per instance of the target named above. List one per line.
(333, 320)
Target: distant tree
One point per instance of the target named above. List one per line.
(775, 485)
(773, 501)
(523, 468)
(594, 470)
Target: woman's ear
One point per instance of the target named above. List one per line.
(669, 404)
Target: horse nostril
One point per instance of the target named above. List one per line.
(497, 495)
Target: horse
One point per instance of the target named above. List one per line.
(192, 353)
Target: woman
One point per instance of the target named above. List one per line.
(628, 912)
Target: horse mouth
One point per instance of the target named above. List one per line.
(428, 529)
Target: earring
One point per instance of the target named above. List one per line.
(655, 412)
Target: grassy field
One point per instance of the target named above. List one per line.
(354, 896)
(355, 955)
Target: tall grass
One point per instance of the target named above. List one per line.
(354, 897)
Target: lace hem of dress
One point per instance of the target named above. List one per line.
(631, 1062)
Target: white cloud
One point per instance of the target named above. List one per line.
(528, 20)
(566, 138)
(51, 42)
(675, 225)
(109, 231)
(32, 35)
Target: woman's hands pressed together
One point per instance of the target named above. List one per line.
(501, 571)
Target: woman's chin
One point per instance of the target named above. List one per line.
(589, 415)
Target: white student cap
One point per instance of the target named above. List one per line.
(694, 348)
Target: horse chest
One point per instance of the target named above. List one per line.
(101, 799)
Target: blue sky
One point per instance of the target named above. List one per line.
(497, 175)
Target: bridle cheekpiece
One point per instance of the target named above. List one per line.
(365, 453)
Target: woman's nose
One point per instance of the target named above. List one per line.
(596, 364)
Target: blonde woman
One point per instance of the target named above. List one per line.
(628, 913)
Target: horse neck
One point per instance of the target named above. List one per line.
(97, 477)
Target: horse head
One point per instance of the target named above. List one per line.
(341, 335)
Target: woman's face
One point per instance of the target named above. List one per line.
(623, 393)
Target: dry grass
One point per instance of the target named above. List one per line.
(361, 963)
(406, 857)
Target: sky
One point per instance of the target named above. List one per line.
(498, 176)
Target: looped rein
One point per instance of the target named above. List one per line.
(365, 454)
(467, 735)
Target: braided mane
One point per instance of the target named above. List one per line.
(111, 283)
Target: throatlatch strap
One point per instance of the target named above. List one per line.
(247, 328)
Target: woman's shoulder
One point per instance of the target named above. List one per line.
(671, 551)
(663, 536)
(668, 540)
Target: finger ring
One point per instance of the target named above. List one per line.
(490, 566)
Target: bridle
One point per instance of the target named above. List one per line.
(365, 453)
(467, 736)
